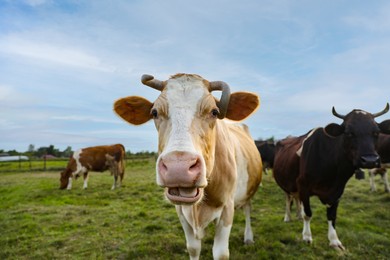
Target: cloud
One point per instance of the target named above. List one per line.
(10, 96)
(85, 119)
(58, 54)
(64, 64)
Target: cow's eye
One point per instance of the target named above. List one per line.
(215, 112)
(154, 113)
(349, 134)
(375, 134)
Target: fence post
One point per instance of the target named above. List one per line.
(44, 162)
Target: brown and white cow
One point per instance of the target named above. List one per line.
(97, 159)
(207, 166)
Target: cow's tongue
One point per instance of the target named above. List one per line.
(183, 192)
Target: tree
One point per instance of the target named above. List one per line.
(67, 152)
(31, 149)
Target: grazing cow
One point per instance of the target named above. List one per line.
(97, 159)
(267, 153)
(384, 153)
(206, 165)
(322, 161)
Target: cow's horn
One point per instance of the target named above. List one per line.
(225, 97)
(337, 114)
(384, 111)
(149, 80)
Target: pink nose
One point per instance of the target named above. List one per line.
(181, 169)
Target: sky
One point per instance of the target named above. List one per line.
(64, 63)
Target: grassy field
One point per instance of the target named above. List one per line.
(39, 221)
(33, 165)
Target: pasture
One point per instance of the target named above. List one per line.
(39, 221)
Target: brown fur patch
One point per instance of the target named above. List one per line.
(135, 110)
(241, 105)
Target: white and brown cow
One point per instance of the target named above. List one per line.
(98, 159)
(207, 166)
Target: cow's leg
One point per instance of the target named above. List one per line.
(372, 179)
(222, 232)
(115, 184)
(385, 181)
(299, 208)
(332, 235)
(248, 236)
(193, 243)
(306, 233)
(121, 175)
(289, 201)
(85, 180)
(69, 187)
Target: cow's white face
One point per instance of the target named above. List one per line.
(185, 115)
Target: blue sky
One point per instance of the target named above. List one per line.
(64, 63)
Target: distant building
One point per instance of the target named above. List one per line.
(13, 158)
(48, 157)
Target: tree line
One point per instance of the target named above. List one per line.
(53, 151)
(67, 152)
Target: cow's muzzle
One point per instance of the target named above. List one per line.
(370, 161)
(182, 196)
(183, 176)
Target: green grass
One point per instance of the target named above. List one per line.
(39, 221)
(33, 165)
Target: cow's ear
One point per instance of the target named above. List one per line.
(135, 110)
(334, 130)
(241, 105)
(385, 127)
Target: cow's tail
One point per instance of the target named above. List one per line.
(122, 163)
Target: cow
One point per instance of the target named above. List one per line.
(384, 153)
(207, 166)
(267, 153)
(321, 162)
(97, 159)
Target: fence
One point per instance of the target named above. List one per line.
(58, 164)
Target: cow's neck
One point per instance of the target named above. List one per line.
(223, 175)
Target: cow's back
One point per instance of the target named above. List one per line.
(94, 158)
(286, 163)
(249, 164)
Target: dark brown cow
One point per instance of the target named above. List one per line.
(321, 162)
(267, 152)
(97, 159)
(384, 153)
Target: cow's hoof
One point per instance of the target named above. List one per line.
(337, 245)
(249, 242)
(308, 239)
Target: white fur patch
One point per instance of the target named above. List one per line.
(299, 152)
(221, 241)
(183, 95)
(242, 182)
(361, 112)
(76, 157)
